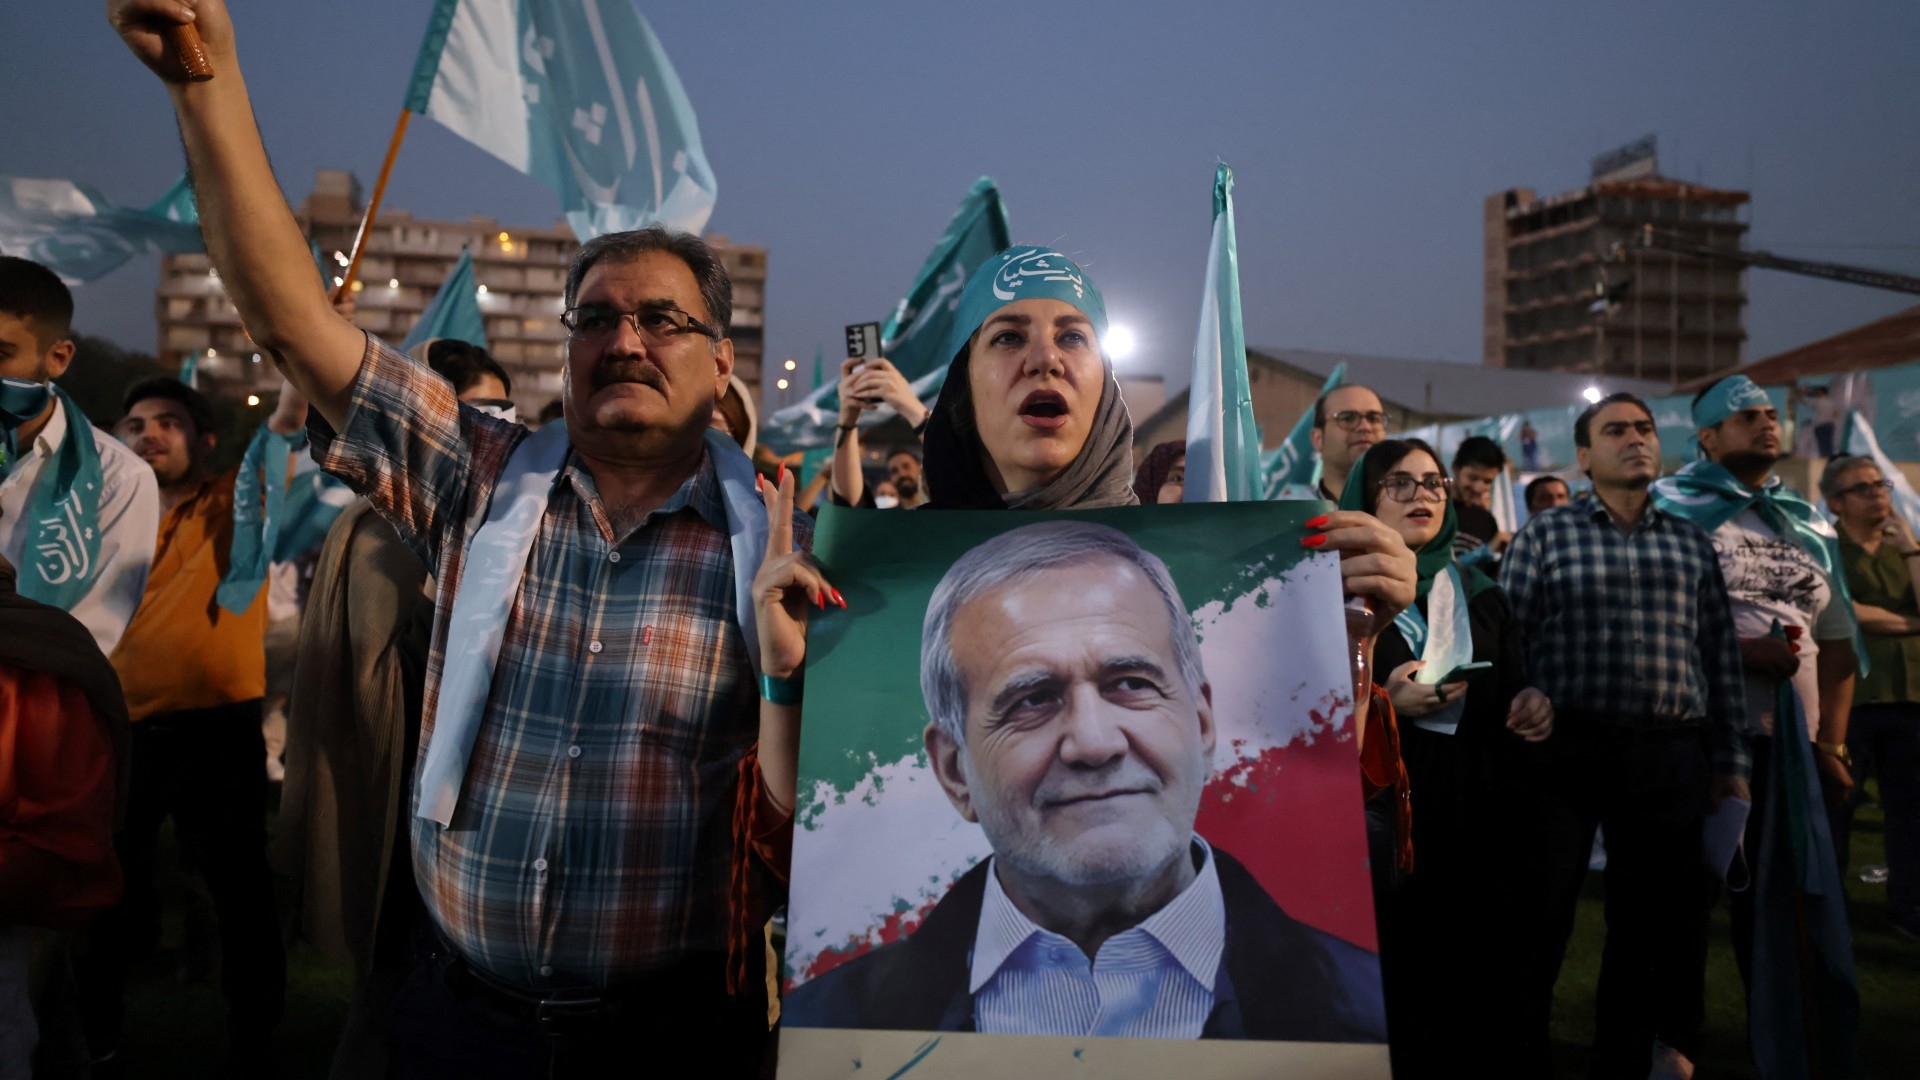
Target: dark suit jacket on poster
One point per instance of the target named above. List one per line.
(1279, 979)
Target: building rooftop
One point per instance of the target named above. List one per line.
(1881, 343)
(1450, 388)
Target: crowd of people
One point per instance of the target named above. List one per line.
(543, 714)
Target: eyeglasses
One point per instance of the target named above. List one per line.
(658, 323)
(1352, 419)
(1401, 488)
(1866, 488)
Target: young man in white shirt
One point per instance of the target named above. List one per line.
(82, 539)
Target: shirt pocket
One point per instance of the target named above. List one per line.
(692, 669)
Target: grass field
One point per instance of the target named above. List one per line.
(175, 1020)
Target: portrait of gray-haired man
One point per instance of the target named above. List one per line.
(1071, 718)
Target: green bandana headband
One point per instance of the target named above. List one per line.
(62, 555)
(1023, 273)
(1733, 394)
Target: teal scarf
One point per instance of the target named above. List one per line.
(259, 502)
(62, 553)
(1706, 494)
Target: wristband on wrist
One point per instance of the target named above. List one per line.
(781, 691)
(1910, 554)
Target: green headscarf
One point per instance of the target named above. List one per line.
(1432, 557)
(1433, 562)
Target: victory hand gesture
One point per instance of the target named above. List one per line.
(787, 583)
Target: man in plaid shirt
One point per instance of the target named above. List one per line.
(589, 894)
(1627, 628)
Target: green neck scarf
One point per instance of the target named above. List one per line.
(62, 553)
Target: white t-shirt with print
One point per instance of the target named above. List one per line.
(1770, 577)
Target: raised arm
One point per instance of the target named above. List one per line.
(251, 235)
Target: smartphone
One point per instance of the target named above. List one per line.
(863, 341)
(1465, 671)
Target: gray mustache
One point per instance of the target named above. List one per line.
(628, 371)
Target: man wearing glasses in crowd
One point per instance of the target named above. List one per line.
(1346, 421)
(1878, 553)
(1625, 625)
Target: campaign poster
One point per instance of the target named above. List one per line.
(1080, 791)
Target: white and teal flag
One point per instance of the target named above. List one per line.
(1293, 468)
(82, 235)
(915, 334)
(577, 94)
(1223, 442)
(455, 310)
(1858, 438)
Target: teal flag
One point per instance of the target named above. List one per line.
(82, 235)
(313, 500)
(1804, 1008)
(190, 369)
(914, 336)
(577, 94)
(1223, 442)
(1292, 468)
(455, 310)
(819, 367)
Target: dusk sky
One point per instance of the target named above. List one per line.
(1363, 138)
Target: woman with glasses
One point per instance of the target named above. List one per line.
(1448, 932)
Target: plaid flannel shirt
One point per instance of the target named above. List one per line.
(1629, 624)
(592, 839)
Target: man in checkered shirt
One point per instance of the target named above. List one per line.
(590, 892)
(1627, 627)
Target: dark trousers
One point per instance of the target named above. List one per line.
(1452, 940)
(204, 768)
(1886, 740)
(1648, 786)
(442, 1025)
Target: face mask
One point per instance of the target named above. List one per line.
(886, 502)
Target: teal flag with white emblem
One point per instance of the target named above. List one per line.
(82, 235)
(1223, 442)
(1293, 467)
(914, 336)
(577, 94)
(455, 310)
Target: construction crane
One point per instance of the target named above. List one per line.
(1653, 240)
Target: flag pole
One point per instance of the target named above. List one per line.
(373, 206)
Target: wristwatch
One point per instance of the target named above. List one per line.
(1836, 750)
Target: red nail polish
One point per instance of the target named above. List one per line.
(1317, 523)
(838, 599)
(1314, 541)
(759, 481)
(783, 475)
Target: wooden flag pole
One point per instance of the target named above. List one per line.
(191, 51)
(373, 207)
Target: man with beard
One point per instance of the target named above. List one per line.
(77, 515)
(193, 664)
(908, 476)
(1346, 421)
(1072, 720)
(1781, 563)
